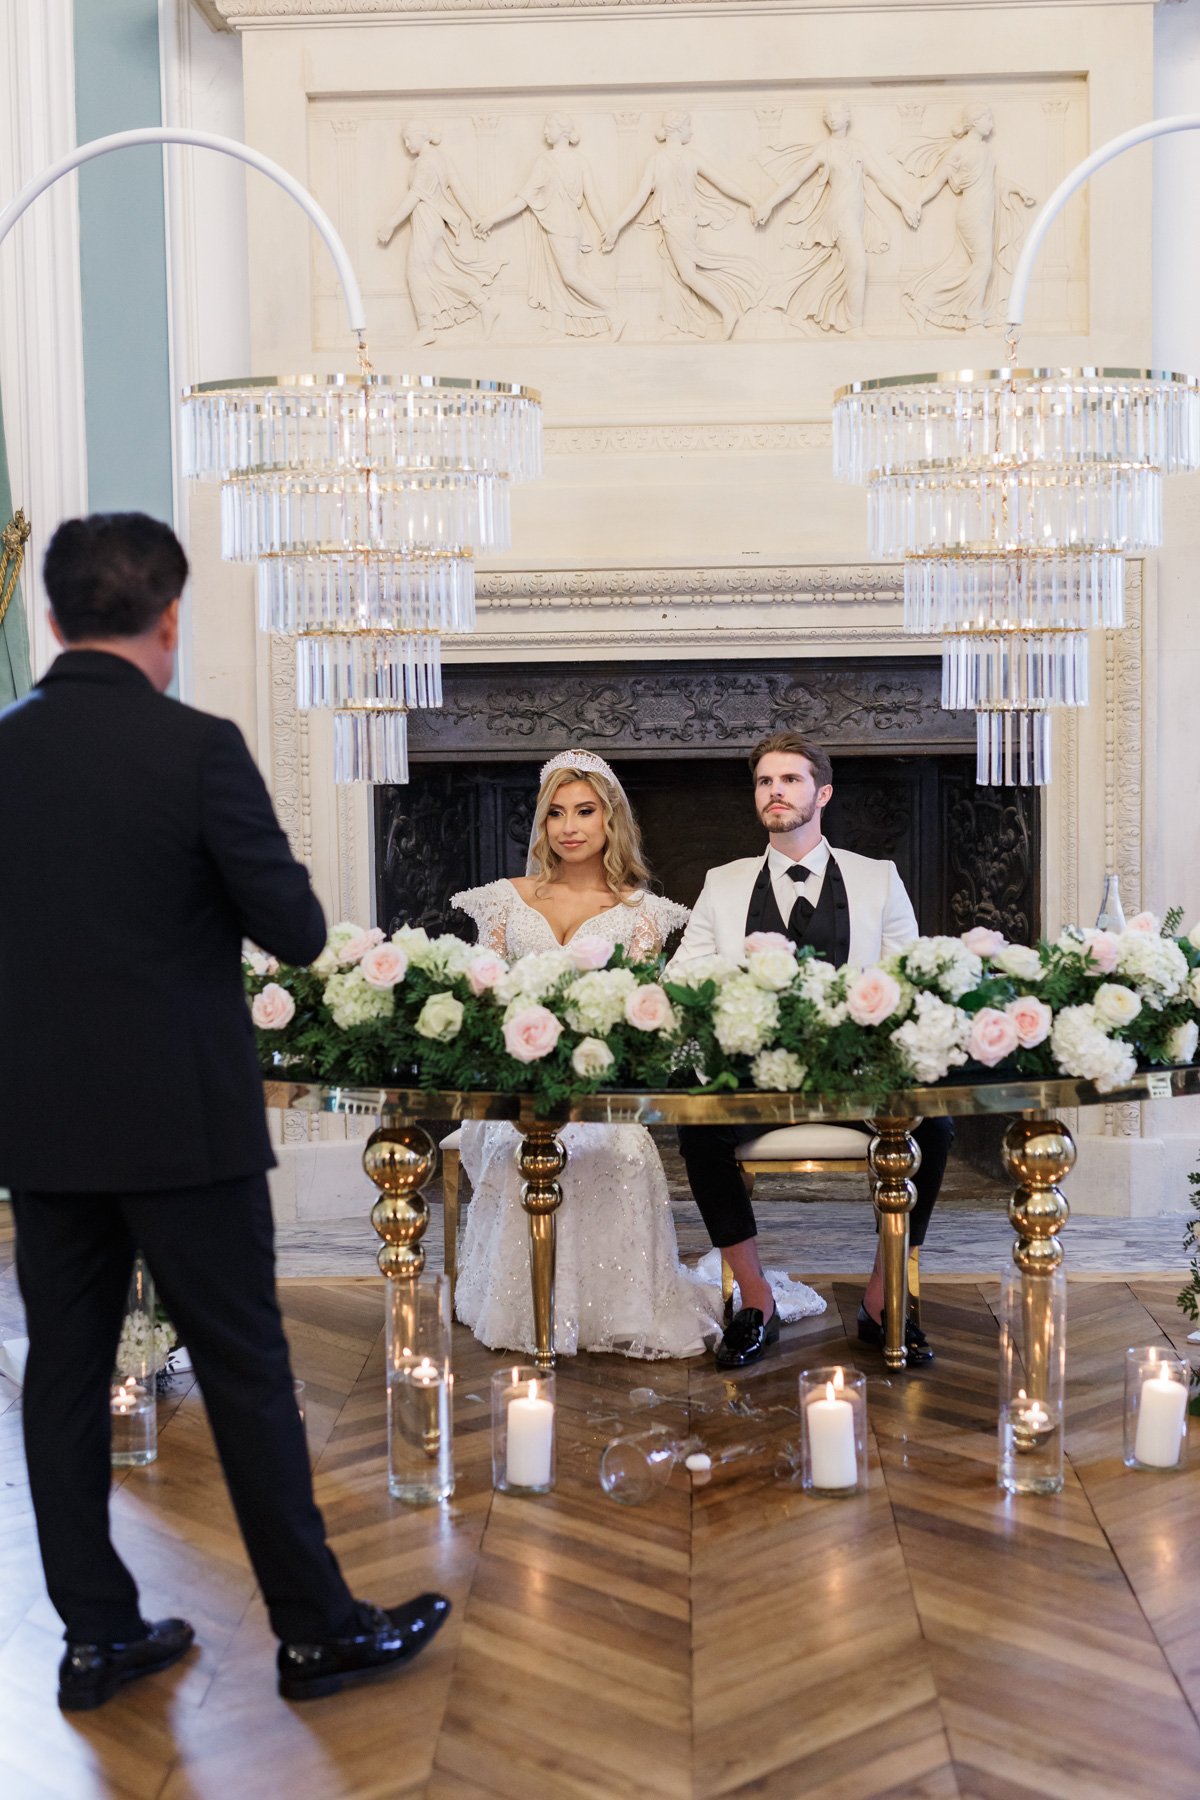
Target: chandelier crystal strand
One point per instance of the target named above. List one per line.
(364, 502)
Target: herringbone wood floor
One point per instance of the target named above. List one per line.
(930, 1639)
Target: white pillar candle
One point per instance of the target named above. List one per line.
(530, 1440)
(1160, 1422)
(831, 1441)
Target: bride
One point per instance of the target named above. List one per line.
(619, 1284)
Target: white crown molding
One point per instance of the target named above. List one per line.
(41, 347)
(236, 15)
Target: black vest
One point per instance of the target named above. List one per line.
(826, 930)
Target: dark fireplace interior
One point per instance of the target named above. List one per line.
(677, 735)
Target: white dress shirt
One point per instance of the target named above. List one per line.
(785, 889)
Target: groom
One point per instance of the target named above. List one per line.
(848, 908)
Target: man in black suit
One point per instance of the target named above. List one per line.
(140, 847)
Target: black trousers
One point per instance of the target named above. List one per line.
(212, 1255)
(710, 1156)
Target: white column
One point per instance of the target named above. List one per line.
(41, 347)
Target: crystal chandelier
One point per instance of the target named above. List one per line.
(1013, 497)
(364, 502)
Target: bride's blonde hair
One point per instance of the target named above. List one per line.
(624, 864)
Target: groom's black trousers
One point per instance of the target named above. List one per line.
(710, 1156)
(211, 1253)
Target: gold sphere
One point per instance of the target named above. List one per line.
(399, 1159)
(398, 1260)
(1038, 1152)
(399, 1220)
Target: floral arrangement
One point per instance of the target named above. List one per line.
(438, 1012)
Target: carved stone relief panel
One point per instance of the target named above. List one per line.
(691, 215)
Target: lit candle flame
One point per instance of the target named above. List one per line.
(830, 1391)
(838, 1379)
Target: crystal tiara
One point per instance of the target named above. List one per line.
(585, 760)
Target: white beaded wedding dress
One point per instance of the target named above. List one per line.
(619, 1283)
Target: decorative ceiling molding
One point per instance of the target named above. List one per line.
(230, 15)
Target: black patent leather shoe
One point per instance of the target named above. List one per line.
(746, 1338)
(918, 1350)
(388, 1637)
(90, 1674)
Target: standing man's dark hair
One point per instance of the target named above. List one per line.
(794, 743)
(112, 575)
(141, 847)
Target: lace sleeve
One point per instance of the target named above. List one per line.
(658, 918)
(489, 907)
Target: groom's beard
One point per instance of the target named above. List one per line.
(788, 818)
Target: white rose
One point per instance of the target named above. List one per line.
(1181, 1044)
(1193, 987)
(440, 1018)
(1116, 1005)
(591, 1058)
(699, 969)
(772, 968)
(778, 1070)
(1019, 961)
(1193, 936)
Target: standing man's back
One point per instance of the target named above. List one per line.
(140, 847)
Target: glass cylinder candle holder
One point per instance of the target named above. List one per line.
(523, 1431)
(1156, 1400)
(833, 1431)
(132, 1406)
(1033, 1344)
(419, 1389)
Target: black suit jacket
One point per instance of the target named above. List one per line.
(138, 846)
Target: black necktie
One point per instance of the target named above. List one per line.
(802, 907)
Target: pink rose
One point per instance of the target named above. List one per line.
(1032, 1019)
(273, 1008)
(648, 1009)
(485, 970)
(383, 965)
(993, 1036)
(872, 997)
(983, 942)
(590, 951)
(531, 1033)
(358, 946)
(768, 940)
(1145, 921)
(1103, 947)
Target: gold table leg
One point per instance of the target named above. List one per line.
(893, 1159)
(541, 1161)
(1038, 1154)
(400, 1159)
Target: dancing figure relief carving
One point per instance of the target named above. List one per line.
(680, 191)
(835, 225)
(448, 277)
(962, 290)
(813, 268)
(553, 198)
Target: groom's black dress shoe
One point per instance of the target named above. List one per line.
(746, 1338)
(90, 1674)
(384, 1638)
(918, 1349)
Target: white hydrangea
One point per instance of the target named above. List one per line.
(1019, 961)
(778, 1070)
(935, 1038)
(1181, 1044)
(1156, 966)
(744, 1016)
(444, 957)
(595, 1001)
(413, 940)
(339, 936)
(532, 978)
(772, 969)
(353, 1001)
(825, 989)
(946, 962)
(699, 969)
(144, 1345)
(1081, 1046)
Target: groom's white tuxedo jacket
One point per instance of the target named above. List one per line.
(881, 916)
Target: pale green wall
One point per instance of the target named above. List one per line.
(123, 262)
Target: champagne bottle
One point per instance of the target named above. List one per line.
(1112, 914)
